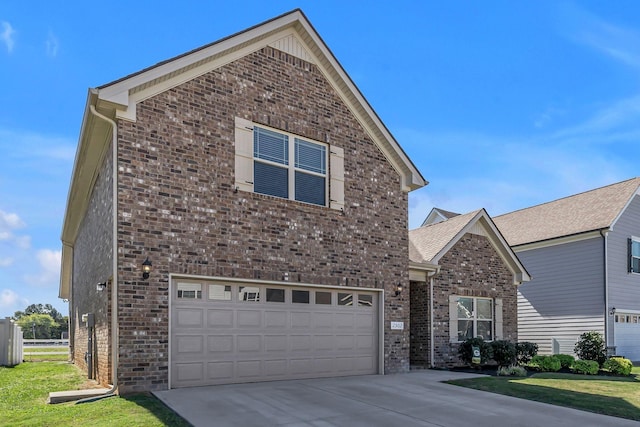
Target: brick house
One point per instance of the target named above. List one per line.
(464, 279)
(268, 203)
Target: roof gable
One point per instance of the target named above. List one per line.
(429, 243)
(581, 213)
(437, 215)
(292, 33)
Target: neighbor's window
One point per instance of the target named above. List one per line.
(189, 290)
(475, 318)
(634, 255)
(303, 179)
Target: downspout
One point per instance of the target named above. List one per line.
(114, 280)
(607, 322)
(432, 349)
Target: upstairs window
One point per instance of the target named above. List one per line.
(304, 179)
(284, 165)
(634, 255)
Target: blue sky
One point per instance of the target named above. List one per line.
(500, 104)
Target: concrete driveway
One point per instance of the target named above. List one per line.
(414, 399)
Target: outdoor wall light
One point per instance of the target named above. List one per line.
(398, 289)
(612, 311)
(101, 286)
(146, 268)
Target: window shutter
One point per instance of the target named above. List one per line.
(336, 181)
(629, 255)
(498, 318)
(244, 154)
(453, 318)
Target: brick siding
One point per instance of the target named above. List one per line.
(177, 205)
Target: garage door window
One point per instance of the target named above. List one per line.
(249, 294)
(189, 290)
(365, 300)
(220, 292)
(323, 298)
(300, 297)
(345, 299)
(275, 295)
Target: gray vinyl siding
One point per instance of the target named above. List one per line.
(624, 287)
(565, 297)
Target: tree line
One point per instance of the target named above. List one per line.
(41, 322)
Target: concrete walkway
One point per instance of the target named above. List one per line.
(413, 399)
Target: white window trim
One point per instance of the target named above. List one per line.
(244, 179)
(496, 317)
(630, 254)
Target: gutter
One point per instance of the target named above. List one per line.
(432, 349)
(114, 280)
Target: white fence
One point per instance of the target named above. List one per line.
(10, 343)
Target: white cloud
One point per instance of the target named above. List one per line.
(52, 45)
(8, 298)
(6, 262)
(7, 36)
(49, 273)
(10, 221)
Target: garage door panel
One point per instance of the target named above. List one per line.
(189, 318)
(220, 318)
(627, 340)
(232, 340)
(249, 318)
(249, 343)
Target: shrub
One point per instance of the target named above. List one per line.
(512, 371)
(590, 346)
(618, 366)
(566, 360)
(589, 367)
(504, 352)
(465, 351)
(525, 351)
(546, 363)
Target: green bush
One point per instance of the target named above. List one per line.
(590, 346)
(618, 366)
(589, 367)
(546, 363)
(525, 351)
(512, 371)
(465, 351)
(566, 360)
(504, 352)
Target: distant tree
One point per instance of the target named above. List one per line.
(42, 323)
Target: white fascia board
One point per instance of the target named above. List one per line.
(560, 240)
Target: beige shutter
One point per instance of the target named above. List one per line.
(453, 318)
(498, 319)
(244, 155)
(336, 180)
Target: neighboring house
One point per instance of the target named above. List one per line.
(583, 252)
(265, 201)
(464, 278)
(437, 215)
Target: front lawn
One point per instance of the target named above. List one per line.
(25, 389)
(608, 395)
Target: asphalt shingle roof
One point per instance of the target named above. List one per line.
(592, 210)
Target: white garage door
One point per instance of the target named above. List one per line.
(230, 332)
(627, 335)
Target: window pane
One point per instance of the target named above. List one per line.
(635, 248)
(365, 300)
(249, 293)
(189, 290)
(323, 298)
(269, 145)
(271, 180)
(300, 297)
(635, 264)
(345, 299)
(220, 292)
(484, 309)
(484, 330)
(310, 188)
(465, 308)
(310, 156)
(465, 329)
(275, 295)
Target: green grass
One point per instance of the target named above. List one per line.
(58, 349)
(25, 389)
(615, 396)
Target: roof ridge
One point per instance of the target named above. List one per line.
(568, 197)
